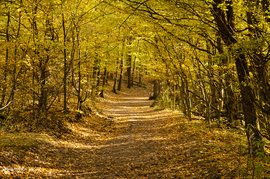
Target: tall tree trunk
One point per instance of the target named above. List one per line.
(42, 102)
(65, 62)
(227, 34)
(116, 76)
(35, 34)
(129, 61)
(212, 97)
(98, 78)
(15, 55)
(140, 76)
(129, 64)
(4, 83)
(187, 97)
(121, 66)
(120, 76)
(96, 73)
(104, 81)
(79, 103)
(133, 72)
(259, 60)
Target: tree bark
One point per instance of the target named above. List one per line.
(103, 82)
(227, 34)
(65, 62)
(129, 61)
(133, 72)
(79, 102)
(116, 76)
(156, 90)
(121, 67)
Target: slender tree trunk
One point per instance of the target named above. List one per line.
(96, 74)
(140, 76)
(65, 62)
(79, 103)
(133, 72)
(205, 108)
(35, 34)
(120, 75)
(186, 96)
(116, 77)
(72, 55)
(98, 78)
(121, 66)
(15, 56)
(104, 82)
(129, 61)
(212, 96)
(4, 83)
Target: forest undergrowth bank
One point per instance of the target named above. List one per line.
(126, 138)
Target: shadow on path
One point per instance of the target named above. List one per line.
(144, 144)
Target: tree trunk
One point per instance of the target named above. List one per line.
(103, 82)
(140, 77)
(35, 34)
(95, 76)
(42, 102)
(121, 72)
(65, 62)
(116, 76)
(133, 72)
(15, 57)
(129, 61)
(227, 35)
(79, 102)
(156, 89)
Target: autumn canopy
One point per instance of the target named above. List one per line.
(208, 59)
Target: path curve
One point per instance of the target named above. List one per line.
(138, 149)
(146, 143)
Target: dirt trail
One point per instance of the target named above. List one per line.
(142, 146)
(137, 142)
(142, 142)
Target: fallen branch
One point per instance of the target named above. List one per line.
(6, 105)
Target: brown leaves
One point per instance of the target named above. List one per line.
(135, 142)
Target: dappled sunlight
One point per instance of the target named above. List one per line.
(145, 117)
(126, 139)
(71, 144)
(151, 138)
(82, 131)
(118, 98)
(18, 170)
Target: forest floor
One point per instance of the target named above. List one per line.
(134, 140)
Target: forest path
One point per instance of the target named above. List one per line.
(137, 142)
(136, 149)
(146, 143)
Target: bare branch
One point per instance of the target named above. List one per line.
(5, 106)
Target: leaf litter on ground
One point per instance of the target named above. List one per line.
(125, 138)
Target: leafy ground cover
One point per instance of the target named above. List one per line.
(125, 138)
